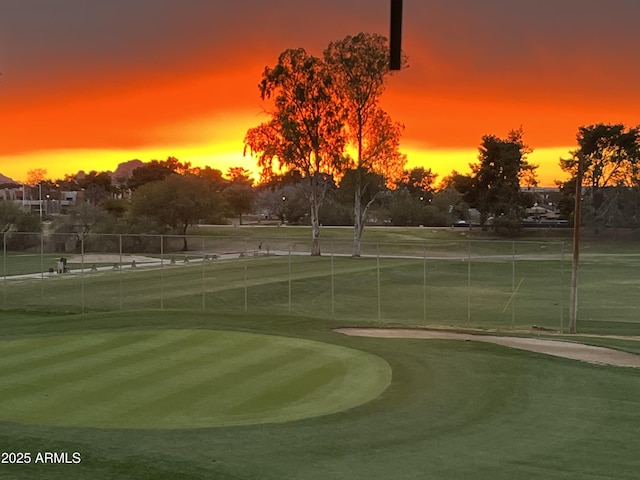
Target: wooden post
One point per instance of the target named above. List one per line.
(573, 306)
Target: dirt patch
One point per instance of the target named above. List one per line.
(574, 351)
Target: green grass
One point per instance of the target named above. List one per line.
(504, 292)
(132, 384)
(453, 410)
(407, 291)
(183, 378)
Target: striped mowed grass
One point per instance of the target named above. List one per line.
(452, 410)
(181, 378)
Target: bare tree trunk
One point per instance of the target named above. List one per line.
(316, 196)
(360, 214)
(185, 245)
(357, 219)
(315, 224)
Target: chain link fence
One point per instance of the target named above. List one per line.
(461, 283)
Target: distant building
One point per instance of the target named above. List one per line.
(33, 199)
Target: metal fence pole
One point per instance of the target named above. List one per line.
(120, 269)
(204, 288)
(469, 284)
(82, 271)
(378, 275)
(333, 297)
(4, 267)
(562, 287)
(42, 268)
(289, 278)
(424, 283)
(513, 284)
(161, 272)
(246, 288)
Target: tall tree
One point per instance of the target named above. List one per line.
(610, 156)
(239, 175)
(10, 215)
(305, 131)
(97, 186)
(15, 222)
(360, 65)
(496, 181)
(178, 201)
(81, 220)
(157, 170)
(239, 197)
(36, 175)
(418, 181)
(212, 176)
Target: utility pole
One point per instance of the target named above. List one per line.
(395, 37)
(40, 199)
(573, 306)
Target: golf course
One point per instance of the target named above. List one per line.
(229, 361)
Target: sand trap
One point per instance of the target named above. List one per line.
(574, 351)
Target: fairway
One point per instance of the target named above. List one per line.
(181, 379)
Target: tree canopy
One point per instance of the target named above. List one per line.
(495, 187)
(305, 130)
(610, 154)
(177, 201)
(156, 170)
(610, 157)
(360, 65)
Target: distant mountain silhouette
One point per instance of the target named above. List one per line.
(125, 169)
(7, 182)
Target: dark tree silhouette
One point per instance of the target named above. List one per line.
(178, 201)
(496, 181)
(360, 65)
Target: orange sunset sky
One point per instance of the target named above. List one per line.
(87, 84)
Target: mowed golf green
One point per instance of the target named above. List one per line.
(175, 378)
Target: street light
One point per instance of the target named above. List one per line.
(284, 198)
(40, 198)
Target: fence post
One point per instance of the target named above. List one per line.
(204, 288)
(513, 284)
(246, 288)
(378, 275)
(4, 267)
(82, 270)
(42, 269)
(469, 283)
(561, 287)
(289, 278)
(333, 298)
(120, 268)
(424, 283)
(161, 272)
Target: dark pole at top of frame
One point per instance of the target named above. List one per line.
(395, 42)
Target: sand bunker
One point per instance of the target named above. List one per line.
(574, 351)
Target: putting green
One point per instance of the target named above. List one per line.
(181, 379)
